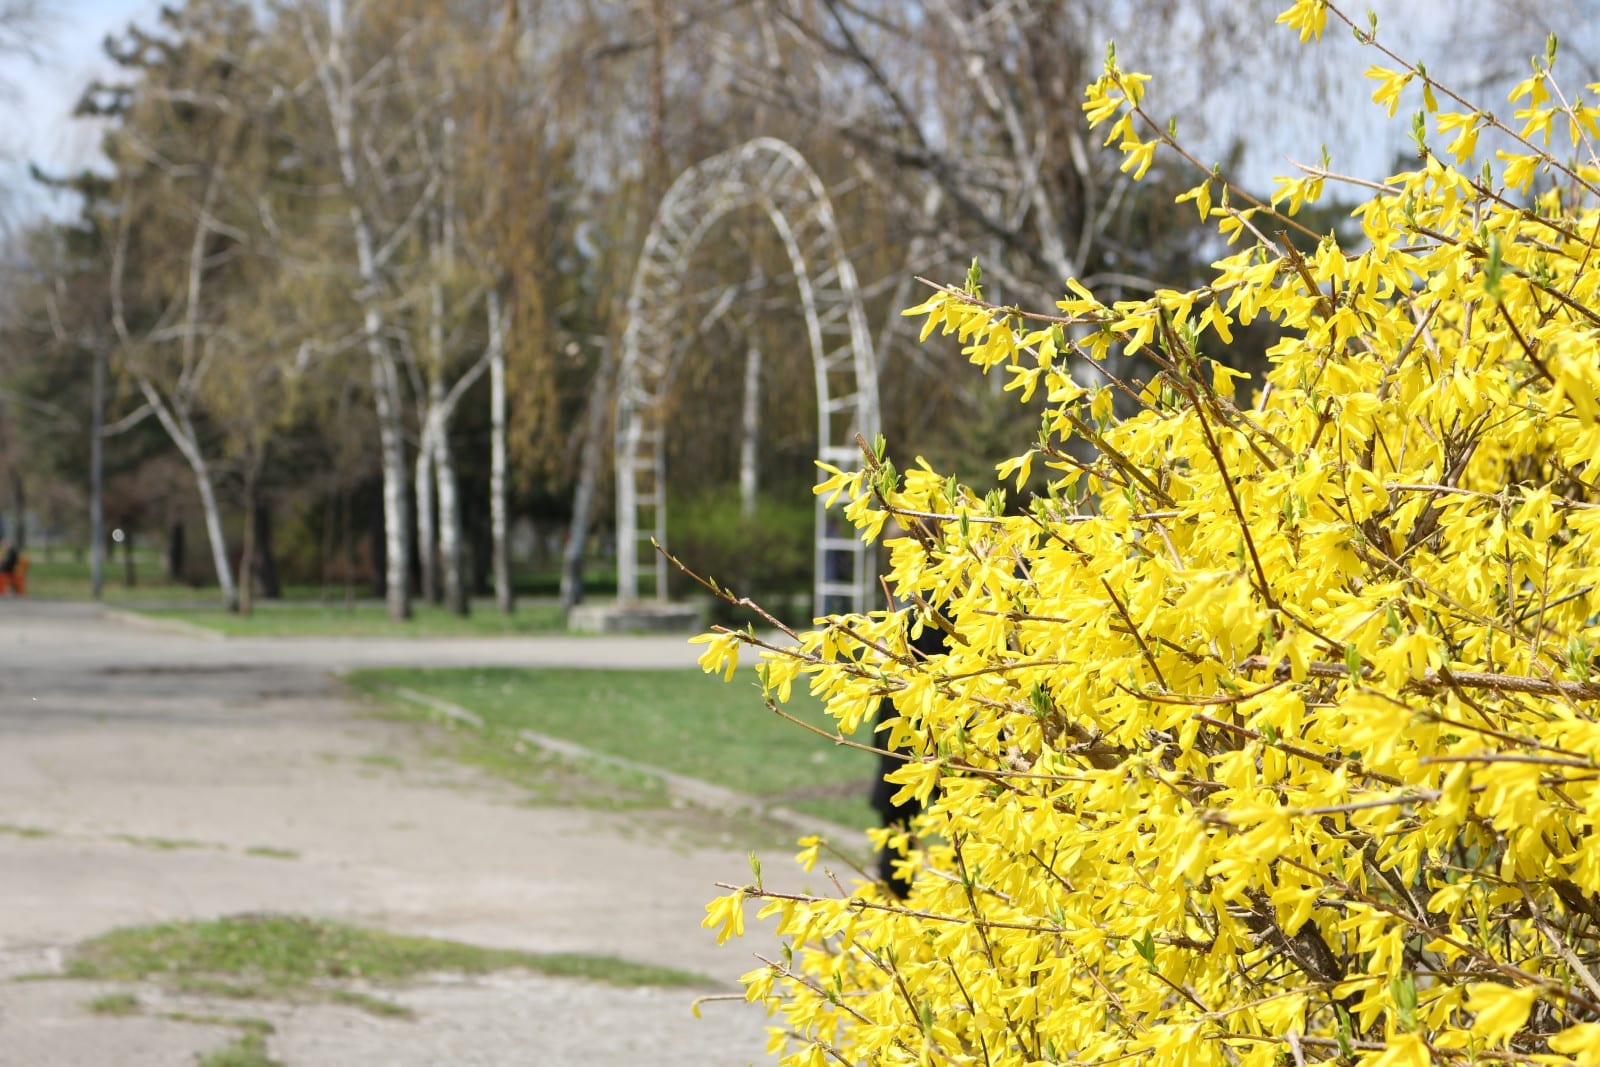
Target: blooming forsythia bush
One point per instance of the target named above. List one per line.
(1268, 736)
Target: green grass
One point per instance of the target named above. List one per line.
(23, 831)
(242, 1022)
(66, 578)
(545, 777)
(219, 989)
(385, 1009)
(264, 957)
(268, 852)
(293, 618)
(115, 1004)
(678, 720)
(160, 844)
(249, 1049)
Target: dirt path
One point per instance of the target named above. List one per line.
(171, 777)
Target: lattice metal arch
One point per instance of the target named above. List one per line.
(768, 174)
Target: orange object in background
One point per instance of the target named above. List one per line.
(16, 582)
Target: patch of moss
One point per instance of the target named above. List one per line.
(247, 1050)
(292, 957)
(160, 844)
(272, 853)
(115, 1004)
(24, 831)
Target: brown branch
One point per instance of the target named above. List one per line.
(1434, 680)
(1326, 762)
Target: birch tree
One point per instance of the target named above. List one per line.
(172, 397)
(180, 132)
(524, 105)
(376, 237)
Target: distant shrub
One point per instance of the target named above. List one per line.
(767, 554)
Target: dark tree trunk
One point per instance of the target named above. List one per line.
(247, 551)
(583, 495)
(175, 552)
(380, 557)
(97, 524)
(257, 533)
(129, 577)
(480, 555)
(325, 542)
(347, 538)
(19, 510)
(266, 561)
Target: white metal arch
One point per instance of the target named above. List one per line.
(769, 174)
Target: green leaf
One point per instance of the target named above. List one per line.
(1494, 269)
(1346, 1049)
(1403, 991)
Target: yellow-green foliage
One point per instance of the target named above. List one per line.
(1270, 736)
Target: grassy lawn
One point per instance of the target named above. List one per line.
(303, 611)
(679, 720)
(67, 578)
(292, 618)
(289, 957)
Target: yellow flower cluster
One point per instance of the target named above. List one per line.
(1271, 734)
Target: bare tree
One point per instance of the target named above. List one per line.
(172, 399)
(171, 238)
(361, 161)
(20, 24)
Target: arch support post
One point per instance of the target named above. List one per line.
(641, 510)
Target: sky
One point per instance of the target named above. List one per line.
(35, 112)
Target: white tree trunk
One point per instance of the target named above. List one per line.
(219, 543)
(436, 439)
(181, 430)
(750, 435)
(432, 422)
(391, 440)
(455, 585)
(427, 537)
(499, 520)
(334, 76)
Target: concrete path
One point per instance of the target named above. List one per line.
(173, 777)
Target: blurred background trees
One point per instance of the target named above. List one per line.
(354, 273)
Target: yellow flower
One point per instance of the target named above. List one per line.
(1391, 82)
(1581, 1042)
(1307, 16)
(727, 915)
(1499, 1010)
